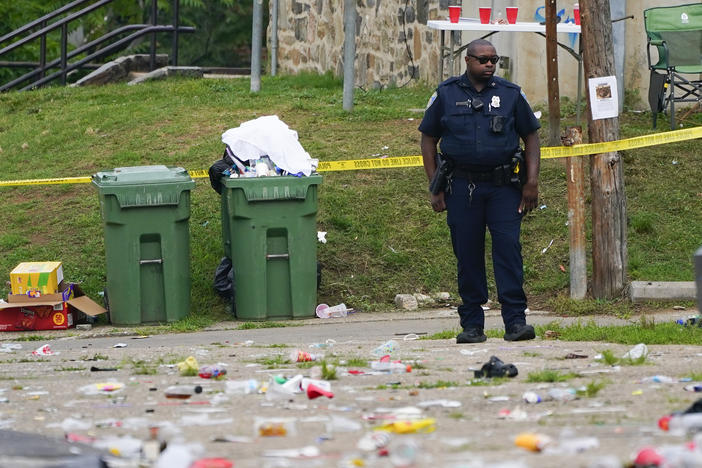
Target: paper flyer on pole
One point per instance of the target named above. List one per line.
(604, 98)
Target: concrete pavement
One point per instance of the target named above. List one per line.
(106, 388)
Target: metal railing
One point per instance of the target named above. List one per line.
(39, 73)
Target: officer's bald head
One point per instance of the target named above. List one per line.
(475, 44)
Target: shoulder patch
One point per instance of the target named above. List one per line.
(431, 100)
(521, 91)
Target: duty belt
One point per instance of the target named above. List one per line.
(499, 175)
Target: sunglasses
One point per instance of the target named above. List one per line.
(483, 60)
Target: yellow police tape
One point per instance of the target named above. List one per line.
(414, 161)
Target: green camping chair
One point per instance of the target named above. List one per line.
(676, 33)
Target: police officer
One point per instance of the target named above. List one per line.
(479, 119)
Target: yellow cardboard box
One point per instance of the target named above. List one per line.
(35, 279)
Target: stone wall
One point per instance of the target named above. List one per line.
(311, 38)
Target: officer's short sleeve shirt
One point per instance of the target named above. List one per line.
(486, 136)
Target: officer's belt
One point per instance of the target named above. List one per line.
(498, 175)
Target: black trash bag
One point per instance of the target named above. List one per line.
(496, 368)
(216, 171)
(695, 408)
(224, 279)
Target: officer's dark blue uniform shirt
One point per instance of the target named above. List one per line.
(486, 137)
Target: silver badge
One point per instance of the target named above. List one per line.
(495, 102)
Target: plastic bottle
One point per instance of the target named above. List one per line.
(690, 423)
(212, 372)
(299, 355)
(242, 387)
(276, 391)
(325, 311)
(403, 453)
(531, 397)
(391, 367)
(182, 392)
(373, 441)
(338, 310)
(561, 394)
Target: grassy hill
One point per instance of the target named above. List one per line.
(383, 238)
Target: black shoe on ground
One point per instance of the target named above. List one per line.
(471, 335)
(520, 333)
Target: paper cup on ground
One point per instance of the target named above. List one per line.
(322, 311)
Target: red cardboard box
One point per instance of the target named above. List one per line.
(49, 312)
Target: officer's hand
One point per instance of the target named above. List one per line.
(438, 203)
(530, 197)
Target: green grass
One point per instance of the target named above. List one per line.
(591, 389)
(487, 381)
(273, 362)
(31, 337)
(437, 384)
(442, 335)
(548, 375)
(642, 332)
(610, 359)
(142, 367)
(645, 331)
(95, 357)
(266, 324)
(356, 362)
(328, 371)
(367, 260)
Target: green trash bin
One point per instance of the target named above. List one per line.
(270, 233)
(146, 212)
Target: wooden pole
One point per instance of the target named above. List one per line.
(575, 173)
(609, 241)
(554, 105)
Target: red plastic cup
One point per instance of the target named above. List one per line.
(454, 13)
(485, 14)
(576, 13)
(512, 14)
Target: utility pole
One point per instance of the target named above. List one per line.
(349, 52)
(609, 240)
(274, 37)
(554, 105)
(256, 45)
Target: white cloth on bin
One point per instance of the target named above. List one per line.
(268, 135)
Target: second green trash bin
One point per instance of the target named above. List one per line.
(146, 212)
(270, 233)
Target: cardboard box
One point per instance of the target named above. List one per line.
(65, 292)
(36, 278)
(50, 312)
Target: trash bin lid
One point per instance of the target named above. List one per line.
(139, 175)
(144, 185)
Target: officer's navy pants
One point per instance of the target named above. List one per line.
(495, 207)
